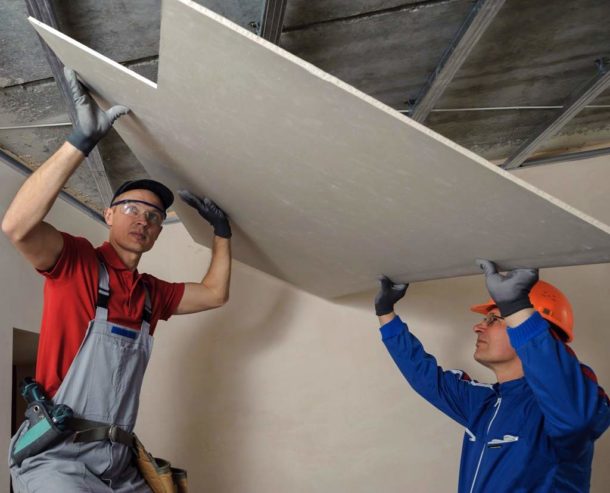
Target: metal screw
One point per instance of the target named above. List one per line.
(602, 64)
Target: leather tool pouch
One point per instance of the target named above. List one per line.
(158, 473)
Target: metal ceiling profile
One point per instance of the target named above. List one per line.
(43, 11)
(576, 102)
(272, 20)
(24, 170)
(480, 17)
(567, 157)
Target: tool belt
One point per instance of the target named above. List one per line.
(160, 476)
(94, 431)
(48, 424)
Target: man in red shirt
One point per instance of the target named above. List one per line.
(99, 312)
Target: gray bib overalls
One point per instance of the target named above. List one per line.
(102, 384)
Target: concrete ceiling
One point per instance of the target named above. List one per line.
(532, 54)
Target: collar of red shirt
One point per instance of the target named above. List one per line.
(112, 259)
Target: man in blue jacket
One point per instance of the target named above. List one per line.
(533, 430)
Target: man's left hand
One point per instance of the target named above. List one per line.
(209, 211)
(389, 294)
(510, 291)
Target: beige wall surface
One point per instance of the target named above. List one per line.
(284, 391)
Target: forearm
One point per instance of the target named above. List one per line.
(567, 392)
(37, 195)
(218, 277)
(519, 317)
(384, 319)
(446, 390)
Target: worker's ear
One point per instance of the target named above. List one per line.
(108, 213)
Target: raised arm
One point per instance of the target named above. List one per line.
(213, 290)
(39, 242)
(568, 394)
(452, 392)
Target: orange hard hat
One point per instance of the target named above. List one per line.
(551, 303)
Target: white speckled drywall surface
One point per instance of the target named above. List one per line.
(327, 187)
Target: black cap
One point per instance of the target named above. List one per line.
(160, 190)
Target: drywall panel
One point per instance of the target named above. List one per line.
(326, 186)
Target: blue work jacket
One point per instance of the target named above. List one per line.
(533, 434)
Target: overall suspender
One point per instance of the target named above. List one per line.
(92, 431)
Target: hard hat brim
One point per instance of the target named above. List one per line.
(485, 308)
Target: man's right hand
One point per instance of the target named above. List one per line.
(389, 293)
(92, 123)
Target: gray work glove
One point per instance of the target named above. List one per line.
(389, 294)
(92, 123)
(511, 290)
(209, 211)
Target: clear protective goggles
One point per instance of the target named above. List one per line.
(154, 216)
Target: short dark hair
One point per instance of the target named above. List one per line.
(165, 194)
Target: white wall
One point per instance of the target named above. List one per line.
(283, 391)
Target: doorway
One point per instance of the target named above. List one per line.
(25, 347)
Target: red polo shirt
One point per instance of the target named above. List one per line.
(70, 292)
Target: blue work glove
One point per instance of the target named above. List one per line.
(92, 123)
(389, 294)
(209, 211)
(511, 290)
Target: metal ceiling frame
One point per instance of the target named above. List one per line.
(567, 157)
(44, 12)
(575, 103)
(479, 18)
(272, 20)
(24, 170)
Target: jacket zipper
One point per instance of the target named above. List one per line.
(497, 406)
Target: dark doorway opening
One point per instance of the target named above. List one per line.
(25, 347)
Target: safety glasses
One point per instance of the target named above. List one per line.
(133, 208)
(490, 319)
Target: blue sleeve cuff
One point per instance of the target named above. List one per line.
(523, 333)
(392, 328)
